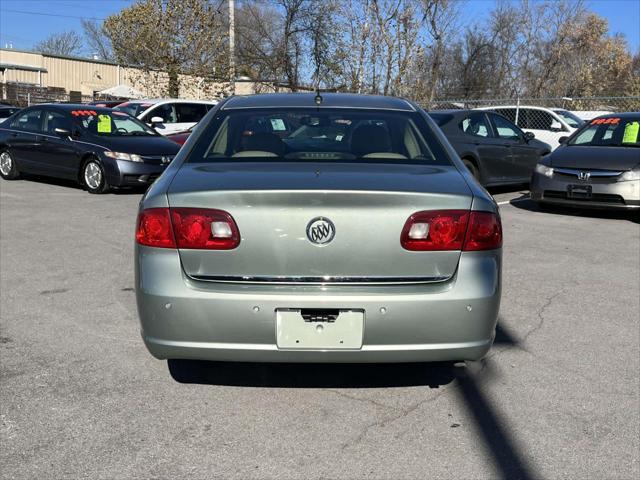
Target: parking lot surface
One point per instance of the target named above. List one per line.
(557, 397)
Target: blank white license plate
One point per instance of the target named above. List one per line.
(294, 332)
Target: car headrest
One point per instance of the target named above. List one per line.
(370, 139)
(265, 142)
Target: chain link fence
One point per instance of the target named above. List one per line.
(546, 114)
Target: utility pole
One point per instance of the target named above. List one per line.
(232, 46)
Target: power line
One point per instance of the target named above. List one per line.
(51, 14)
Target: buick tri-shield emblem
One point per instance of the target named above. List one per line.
(320, 230)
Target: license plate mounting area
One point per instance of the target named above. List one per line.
(579, 191)
(319, 329)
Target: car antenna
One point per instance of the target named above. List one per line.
(317, 59)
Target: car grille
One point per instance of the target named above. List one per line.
(586, 175)
(596, 197)
(157, 159)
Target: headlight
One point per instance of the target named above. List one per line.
(630, 175)
(131, 157)
(544, 170)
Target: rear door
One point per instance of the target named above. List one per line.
(24, 140)
(494, 152)
(523, 157)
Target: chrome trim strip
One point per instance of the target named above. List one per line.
(324, 280)
(592, 173)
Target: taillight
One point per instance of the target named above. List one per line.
(154, 228)
(435, 230)
(484, 232)
(439, 230)
(204, 228)
(188, 228)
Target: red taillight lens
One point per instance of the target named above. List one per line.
(204, 229)
(435, 230)
(484, 232)
(439, 230)
(154, 228)
(187, 228)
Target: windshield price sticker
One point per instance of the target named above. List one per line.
(104, 124)
(631, 131)
(606, 121)
(83, 113)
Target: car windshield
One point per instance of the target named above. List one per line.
(133, 109)
(609, 132)
(110, 123)
(319, 134)
(571, 118)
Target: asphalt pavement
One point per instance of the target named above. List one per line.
(557, 397)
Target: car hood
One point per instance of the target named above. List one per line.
(435, 179)
(139, 145)
(597, 158)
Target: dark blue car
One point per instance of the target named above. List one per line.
(98, 147)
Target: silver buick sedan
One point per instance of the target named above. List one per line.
(304, 228)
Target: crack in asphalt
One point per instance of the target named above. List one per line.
(404, 412)
(541, 317)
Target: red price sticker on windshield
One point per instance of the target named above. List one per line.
(83, 113)
(606, 121)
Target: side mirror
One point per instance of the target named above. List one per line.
(556, 126)
(156, 120)
(62, 132)
(528, 136)
(562, 140)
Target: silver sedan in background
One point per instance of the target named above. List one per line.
(598, 166)
(341, 228)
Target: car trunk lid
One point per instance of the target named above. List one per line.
(273, 205)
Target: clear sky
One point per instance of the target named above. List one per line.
(23, 30)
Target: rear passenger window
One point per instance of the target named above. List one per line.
(167, 112)
(53, 120)
(534, 119)
(476, 125)
(29, 121)
(190, 112)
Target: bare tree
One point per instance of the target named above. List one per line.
(97, 39)
(64, 43)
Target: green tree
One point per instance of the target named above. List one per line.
(174, 36)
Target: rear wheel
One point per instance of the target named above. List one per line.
(472, 168)
(93, 177)
(8, 169)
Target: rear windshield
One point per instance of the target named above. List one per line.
(609, 132)
(313, 134)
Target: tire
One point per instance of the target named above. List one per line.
(472, 168)
(93, 178)
(8, 168)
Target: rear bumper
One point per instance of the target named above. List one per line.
(448, 321)
(613, 195)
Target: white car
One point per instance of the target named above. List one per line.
(548, 125)
(168, 115)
